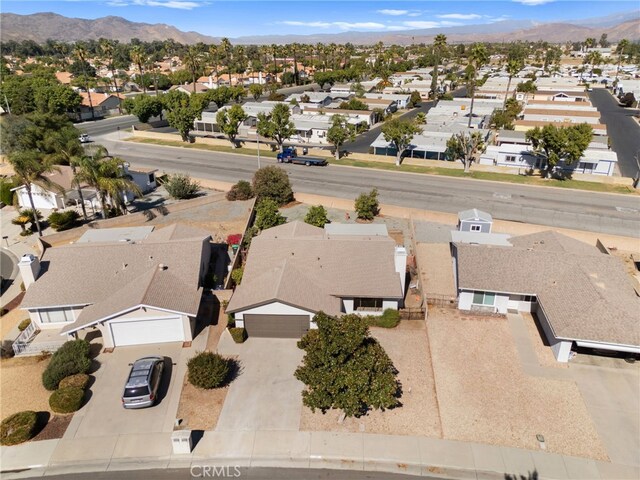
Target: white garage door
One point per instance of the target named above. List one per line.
(153, 330)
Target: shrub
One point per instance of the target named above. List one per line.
(234, 239)
(60, 221)
(389, 319)
(238, 334)
(231, 321)
(236, 275)
(273, 182)
(240, 191)
(367, 205)
(180, 186)
(66, 400)
(18, 428)
(24, 324)
(316, 216)
(6, 195)
(208, 370)
(71, 358)
(79, 380)
(268, 215)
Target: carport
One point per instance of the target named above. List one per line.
(276, 326)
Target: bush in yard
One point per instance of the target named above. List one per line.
(345, 368)
(273, 182)
(22, 326)
(66, 400)
(18, 428)
(180, 186)
(367, 205)
(238, 334)
(236, 275)
(231, 321)
(79, 380)
(240, 191)
(208, 370)
(71, 358)
(268, 215)
(60, 221)
(389, 319)
(316, 216)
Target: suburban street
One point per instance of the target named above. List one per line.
(582, 210)
(623, 131)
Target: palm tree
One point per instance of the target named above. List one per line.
(107, 176)
(477, 58)
(225, 46)
(191, 60)
(594, 59)
(138, 56)
(439, 44)
(31, 167)
(513, 67)
(214, 59)
(80, 53)
(108, 52)
(621, 48)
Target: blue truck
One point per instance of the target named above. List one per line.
(290, 155)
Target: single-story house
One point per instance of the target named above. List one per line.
(475, 220)
(188, 88)
(133, 292)
(582, 297)
(567, 115)
(353, 116)
(401, 99)
(297, 270)
(103, 104)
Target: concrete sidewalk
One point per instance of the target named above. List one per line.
(330, 450)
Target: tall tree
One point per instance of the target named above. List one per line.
(182, 110)
(513, 67)
(439, 45)
(139, 57)
(192, 61)
(341, 131)
(229, 121)
(225, 46)
(108, 52)
(31, 167)
(621, 49)
(559, 144)
(80, 52)
(399, 133)
(465, 147)
(477, 58)
(277, 125)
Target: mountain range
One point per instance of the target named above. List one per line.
(40, 27)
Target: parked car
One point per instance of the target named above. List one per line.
(143, 382)
(84, 138)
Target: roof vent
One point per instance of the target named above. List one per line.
(162, 266)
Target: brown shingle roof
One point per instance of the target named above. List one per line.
(299, 265)
(585, 294)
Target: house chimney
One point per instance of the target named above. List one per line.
(400, 261)
(29, 266)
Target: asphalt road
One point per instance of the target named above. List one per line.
(107, 125)
(622, 129)
(582, 210)
(254, 473)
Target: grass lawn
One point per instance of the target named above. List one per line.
(442, 171)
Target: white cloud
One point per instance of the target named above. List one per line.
(461, 16)
(395, 13)
(414, 14)
(340, 25)
(117, 3)
(179, 4)
(430, 24)
(532, 3)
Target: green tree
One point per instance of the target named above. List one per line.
(421, 118)
(31, 167)
(316, 216)
(504, 118)
(513, 67)
(415, 99)
(560, 144)
(439, 46)
(180, 186)
(256, 91)
(341, 131)
(621, 50)
(272, 182)
(367, 206)
(465, 147)
(144, 107)
(354, 104)
(56, 99)
(220, 96)
(277, 125)
(268, 215)
(345, 368)
(229, 121)
(192, 60)
(399, 133)
(139, 58)
(108, 50)
(80, 52)
(182, 110)
(527, 87)
(477, 59)
(237, 93)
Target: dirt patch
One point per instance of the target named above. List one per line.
(21, 385)
(542, 350)
(484, 396)
(10, 320)
(408, 348)
(55, 428)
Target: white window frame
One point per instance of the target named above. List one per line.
(67, 312)
(510, 158)
(484, 299)
(475, 227)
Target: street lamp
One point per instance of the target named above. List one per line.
(258, 140)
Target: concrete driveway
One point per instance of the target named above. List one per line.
(103, 413)
(265, 395)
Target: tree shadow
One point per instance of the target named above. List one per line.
(42, 418)
(529, 476)
(235, 370)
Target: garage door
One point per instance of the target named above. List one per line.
(153, 330)
(276, 326)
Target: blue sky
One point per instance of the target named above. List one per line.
(239, 17)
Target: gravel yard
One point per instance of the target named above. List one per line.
(543, 351)
(21, 385)
(485, 397)
(408, 347)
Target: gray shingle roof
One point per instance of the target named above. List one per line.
(298, 264)
(474, 214)
(586, 295)
(113, 277)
